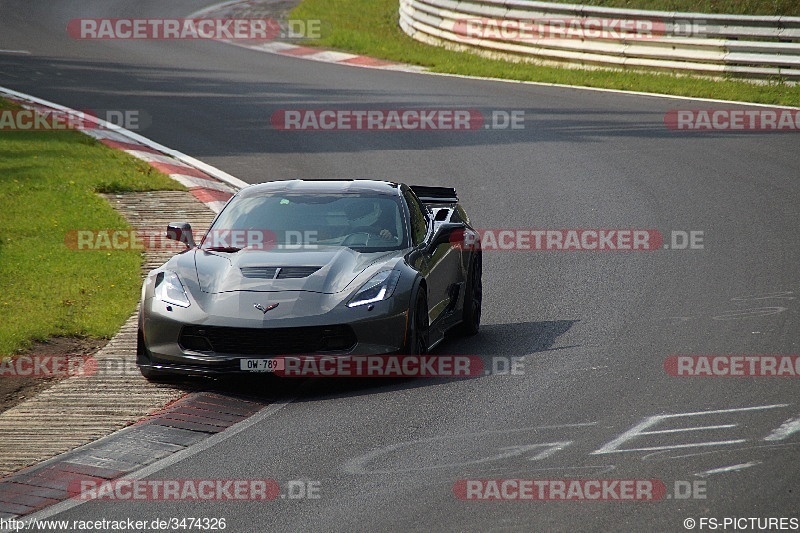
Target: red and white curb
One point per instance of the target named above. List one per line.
(175, 428)
(208, 190)
(325, 56)
(209, 185)
(305, 52)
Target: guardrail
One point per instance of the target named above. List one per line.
(708, 44)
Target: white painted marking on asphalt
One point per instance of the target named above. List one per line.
(789, 427)
(665, 456)
(749, 313)
(357, 464)
(174, 458)
(681, 430)
(638, 430)
(672, 447)
(574, 370)
(559, 426)
(22, 52)
(783, 295)
(732, 468)
(597, 470)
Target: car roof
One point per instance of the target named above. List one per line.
(334, 186)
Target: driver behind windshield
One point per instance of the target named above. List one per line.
(366, 214)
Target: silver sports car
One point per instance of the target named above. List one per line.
(305, 268)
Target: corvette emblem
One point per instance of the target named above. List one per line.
(265, 309)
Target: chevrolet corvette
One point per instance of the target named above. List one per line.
(312, 268)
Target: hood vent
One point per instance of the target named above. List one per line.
(271, 272)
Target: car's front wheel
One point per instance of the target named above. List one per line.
(473, 297)
(418, 323)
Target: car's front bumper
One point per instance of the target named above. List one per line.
(380, 330)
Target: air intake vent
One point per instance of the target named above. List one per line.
(292, 272)
(259, 272)
(268, 341)
(296, 272)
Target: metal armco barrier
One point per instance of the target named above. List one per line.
(715, 45)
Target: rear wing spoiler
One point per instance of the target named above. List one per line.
(435, 195)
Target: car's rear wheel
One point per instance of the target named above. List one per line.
(417, 332)
(473, 297)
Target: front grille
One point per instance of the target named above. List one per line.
(290, 272)
(269, 341)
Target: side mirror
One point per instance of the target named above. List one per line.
(181, 232)
(444, 232)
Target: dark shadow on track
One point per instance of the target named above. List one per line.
(502, 341)
(168, 95)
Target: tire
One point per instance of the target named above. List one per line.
(417, 333)
(473, 298)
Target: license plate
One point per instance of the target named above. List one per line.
(261, 365)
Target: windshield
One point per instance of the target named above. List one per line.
(364, 223)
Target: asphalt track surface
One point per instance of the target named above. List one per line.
(594, 328)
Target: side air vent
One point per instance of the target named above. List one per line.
(291, 272)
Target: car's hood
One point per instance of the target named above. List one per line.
(328, 270)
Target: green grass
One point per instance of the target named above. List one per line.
(47, 187)
(789, 8)
(370, 27)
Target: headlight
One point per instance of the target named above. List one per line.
(379, 287)
(169, 289)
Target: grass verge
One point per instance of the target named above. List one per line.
(48, 184)
(371, 27)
